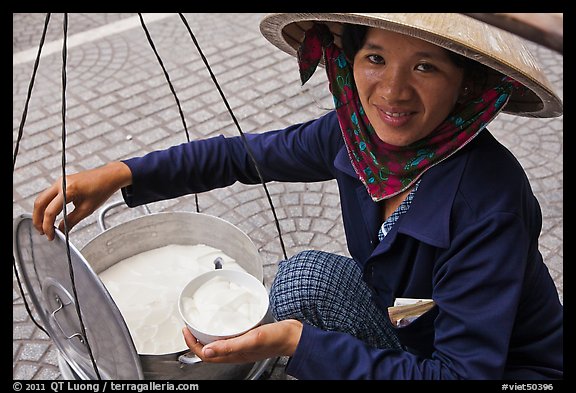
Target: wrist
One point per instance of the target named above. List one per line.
(293, 336)
(120, 172)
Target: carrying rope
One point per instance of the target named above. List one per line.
(29, 94)
(63, 139)
(65, 202)
(171, 89)
(20, 133)
(242, 135)
(66, 231)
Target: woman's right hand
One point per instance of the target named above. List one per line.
(268, 340)
(87, 190)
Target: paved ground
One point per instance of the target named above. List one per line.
(119, 105)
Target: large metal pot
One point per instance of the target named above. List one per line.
(46, 274)
(160, 229)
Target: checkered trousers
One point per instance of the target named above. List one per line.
(327, 291)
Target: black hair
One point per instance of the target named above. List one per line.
(352, 39)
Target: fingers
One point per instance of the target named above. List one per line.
(87, 190)
(265, 341)
(72, 218)
(192, 343)
(47, 206)
(248, 347)
(236, 350)
(216, 352)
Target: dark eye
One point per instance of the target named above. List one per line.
(376, 59)
(425, 67)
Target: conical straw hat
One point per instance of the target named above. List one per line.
(489, 45)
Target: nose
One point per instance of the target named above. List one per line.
(394, 85)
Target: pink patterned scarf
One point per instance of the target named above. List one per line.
(387, 170)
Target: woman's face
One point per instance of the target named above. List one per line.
(407, 86)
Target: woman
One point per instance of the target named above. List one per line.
(433, 206)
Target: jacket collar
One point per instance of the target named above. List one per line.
(428, 218)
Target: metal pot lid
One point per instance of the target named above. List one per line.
(44, 269)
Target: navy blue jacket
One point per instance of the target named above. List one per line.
(469, 241)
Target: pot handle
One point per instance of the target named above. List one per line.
(61, 304)
(110, 206)
(189, 358)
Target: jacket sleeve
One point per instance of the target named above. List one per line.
(300, 153)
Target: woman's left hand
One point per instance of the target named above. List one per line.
(263, 342)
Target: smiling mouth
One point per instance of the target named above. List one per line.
(395, 119)
(397, 114)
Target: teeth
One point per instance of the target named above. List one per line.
(396, 114)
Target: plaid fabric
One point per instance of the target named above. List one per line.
(327, 291)
(403, 208)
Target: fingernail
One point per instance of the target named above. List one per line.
(209, 352)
